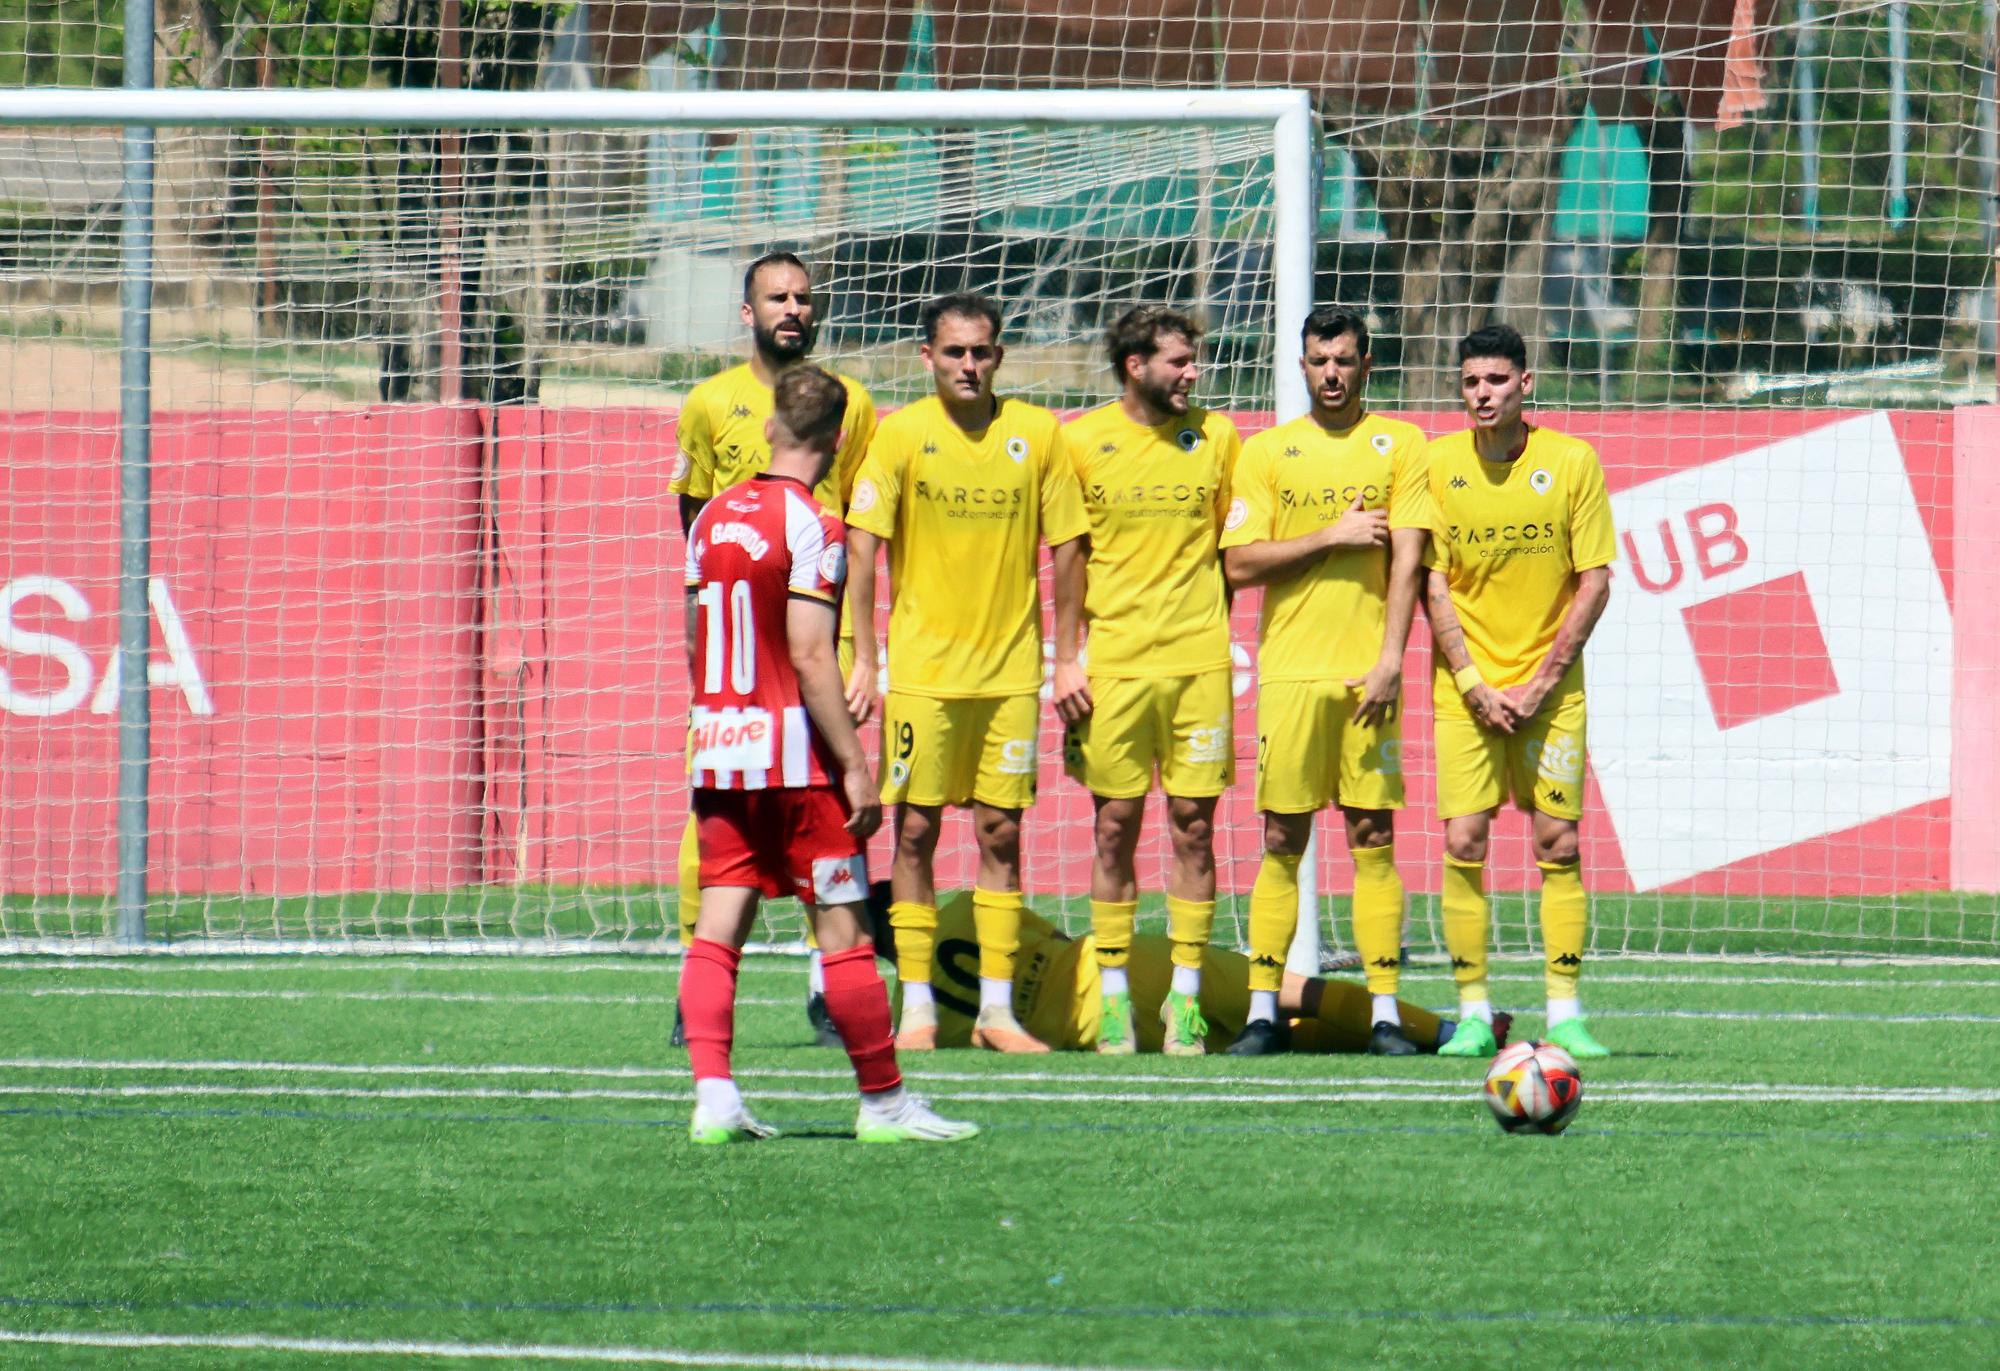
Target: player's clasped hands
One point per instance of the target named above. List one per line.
(1497, 711)
(1360, 527)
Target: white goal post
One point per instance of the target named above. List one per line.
(1284, 118)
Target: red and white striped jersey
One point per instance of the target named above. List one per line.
(750, 550)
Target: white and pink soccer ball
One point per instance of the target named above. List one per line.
(1534, 1088)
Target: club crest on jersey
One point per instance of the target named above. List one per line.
(833, 563)
(1189, 439)
(1017, 448)
(1539, 480)
(864, 498)
(1239, 514)
(1382, 442)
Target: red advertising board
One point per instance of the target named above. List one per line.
(416, 647)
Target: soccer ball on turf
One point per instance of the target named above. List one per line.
(1534, 1088)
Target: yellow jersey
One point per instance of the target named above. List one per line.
(965, 515)
(1155, 495)
(722, 442)
(1510, 538)
(1325, 623)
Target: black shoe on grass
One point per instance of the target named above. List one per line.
(1259, 1038)
(680, 1038)
(1387, 1040)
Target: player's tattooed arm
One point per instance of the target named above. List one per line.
(1071, 687)
(809, 639)
(862, 687)
(1593, 593)
(1488, 705)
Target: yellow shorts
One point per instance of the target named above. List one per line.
(1540, 766)
(1183, 725)
(953, 752)
(1312, 753)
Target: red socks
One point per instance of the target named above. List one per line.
(856, 1001)
(708, 1005)
(858, 1004)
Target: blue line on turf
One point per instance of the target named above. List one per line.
(821, 1308)
(800, 1127)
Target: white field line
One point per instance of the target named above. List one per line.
(133, 992)
(661, 966)
(1430, 1092)
(393, 1070)
(528, 998)
(494, 1351)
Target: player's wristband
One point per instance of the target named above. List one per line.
(1467, 678)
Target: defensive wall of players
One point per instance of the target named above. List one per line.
(427, 647)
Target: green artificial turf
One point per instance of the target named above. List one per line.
(1788, 1166)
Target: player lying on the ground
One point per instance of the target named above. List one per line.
(1057, 992)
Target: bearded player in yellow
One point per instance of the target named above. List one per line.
(1058, 995)
(1331, 515)
(965, 486)
(1151, 691)
(721, 440)
(1520, 571)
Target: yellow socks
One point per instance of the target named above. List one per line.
(1189, 923)
(996, 914)
(1378, 917)
(689, 874)
(916, 940)
(1467, 920)
(1111, 924)
(1565, 922)
(1274, 918)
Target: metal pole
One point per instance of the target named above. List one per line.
(1899, 112)
(1295, 191)
(451, 196)
(135, 484)
(1808, 77)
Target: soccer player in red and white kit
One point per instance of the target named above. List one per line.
(784, 798)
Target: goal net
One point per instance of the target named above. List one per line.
(415, 633)
(416, 611)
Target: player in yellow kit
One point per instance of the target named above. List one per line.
(1057, 992)
(965, 486)
(1150, 692)
(721, 442)
(1520, 571)
(1331, 515)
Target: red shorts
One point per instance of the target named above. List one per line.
(781, 842)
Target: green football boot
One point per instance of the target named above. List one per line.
(1186, 1030)
(710, 1130)
(1572, 1037)
(1472, 1038)
(1115, 1036)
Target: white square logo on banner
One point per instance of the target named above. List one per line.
(1776, 660)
